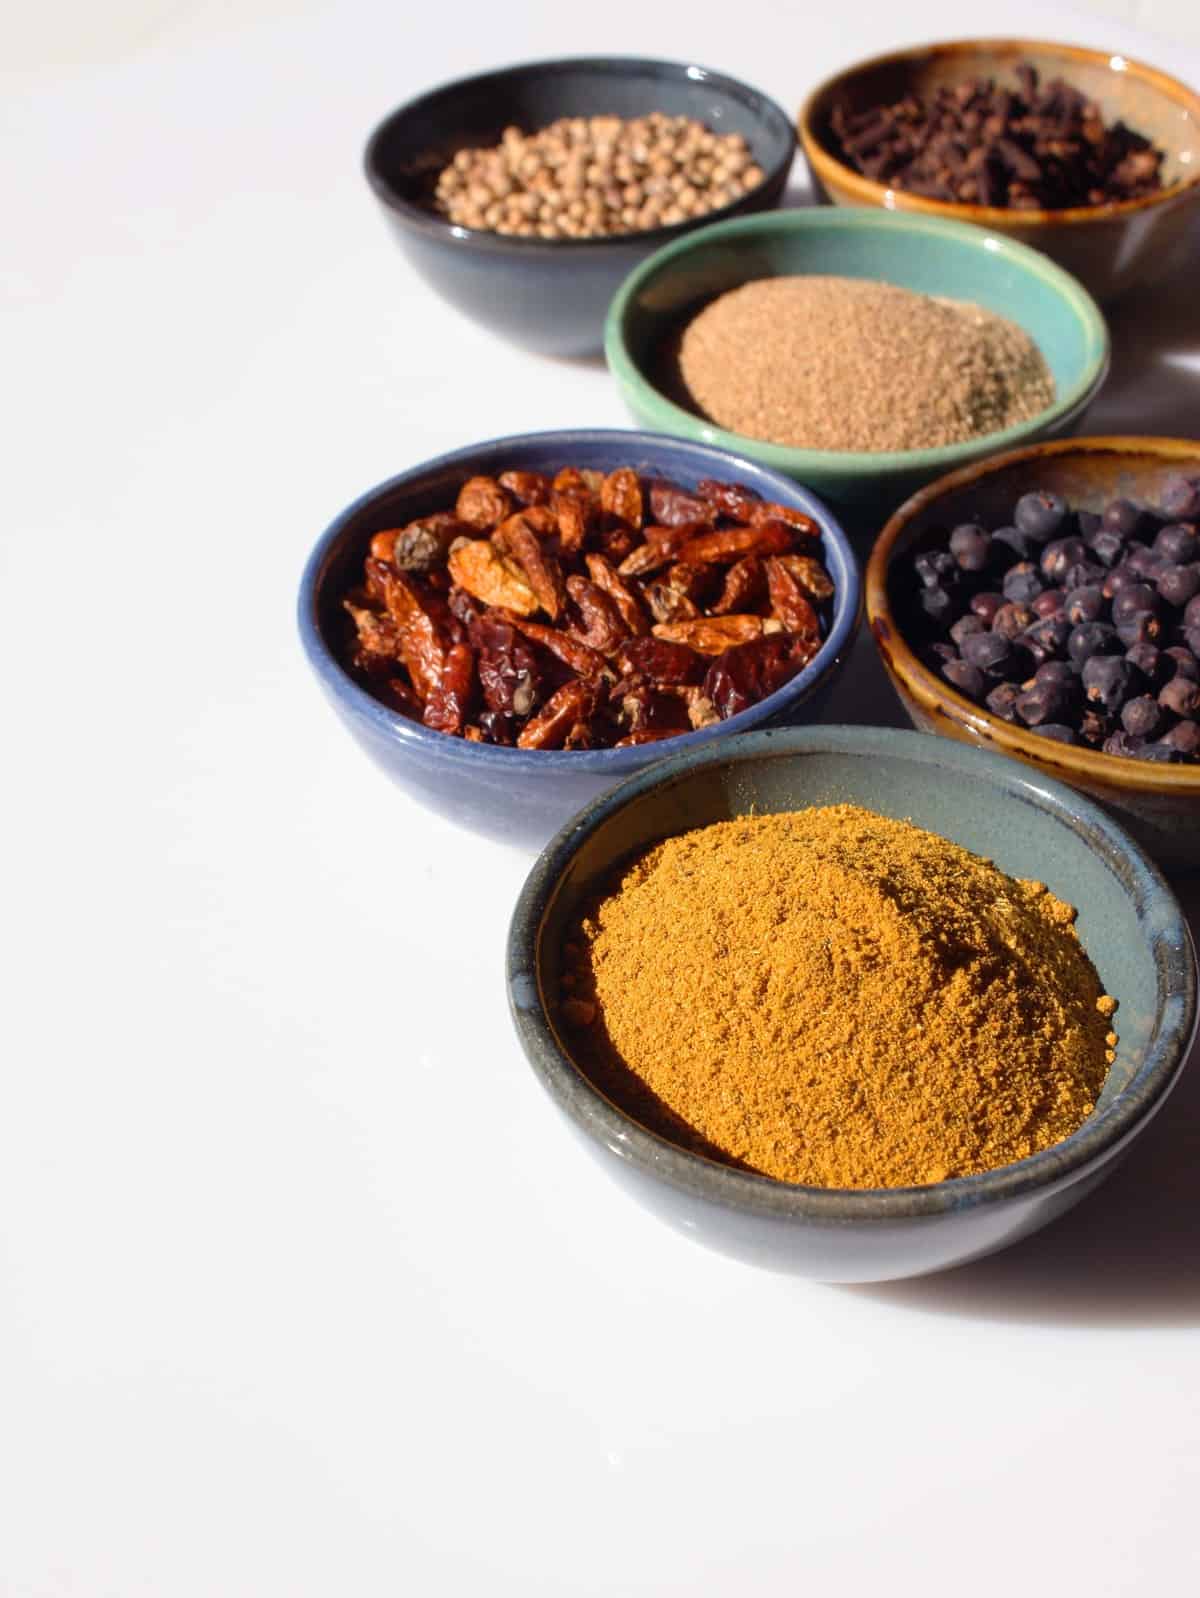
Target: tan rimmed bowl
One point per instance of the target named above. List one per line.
(1159, 805)
(1109, 248)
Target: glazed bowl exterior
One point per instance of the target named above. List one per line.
(917, 253)
(1109, 248)
(550, 295)
(522, 796)
(1129, 922)
(1159, 805)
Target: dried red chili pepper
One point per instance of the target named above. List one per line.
(660, 660)
(605, 576)
(789, 601)
(573, 480)
(621, 496)
(731, 499)
(751, 671)
(644, 708)
(603, 629)
(732, 543)
(579, 657)
(662, 546)
(671, 506)
(527, 488)
(508, 669)
(745, 586)
(420, 646)
(421, 545)
(767, 511)
(548, 729)
(446, 707)
(574, 513)
(712, 635)
(516, 537)
(378, 642)
(810, 574)
(479, 567)
(482, 502)
(668, 604)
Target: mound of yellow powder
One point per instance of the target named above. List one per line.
(837, 999)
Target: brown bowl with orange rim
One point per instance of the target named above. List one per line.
(1158, 804)
(1109, 247)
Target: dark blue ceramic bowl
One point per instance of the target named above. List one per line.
(523, 796)
(551, 296)
(1129, 922)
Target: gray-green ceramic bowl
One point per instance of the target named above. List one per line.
(550, 295)
(926, 255)
(1129, 922)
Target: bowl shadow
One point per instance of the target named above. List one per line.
(1154, 382)
(1127, 1256)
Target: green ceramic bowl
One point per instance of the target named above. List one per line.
(927, 255)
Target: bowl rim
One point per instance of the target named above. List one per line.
(774, 117)
(1096, 1141)
(1114, 770)
(399, 730)
(871, 192)
(859, 463)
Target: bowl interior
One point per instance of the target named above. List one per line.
(1128, 921)
(410, 148)
(1144, 99)
(917, 253)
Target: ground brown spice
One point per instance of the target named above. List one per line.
(851, 364)
(837, 999)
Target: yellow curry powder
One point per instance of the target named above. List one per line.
(837, 999)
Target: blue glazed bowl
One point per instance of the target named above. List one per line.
(518, 795)
(550, 295)
(926, 255)
(1129, 922)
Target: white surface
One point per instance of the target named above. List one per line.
(306, 1289)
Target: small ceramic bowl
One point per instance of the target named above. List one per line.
(523, 796)
(1129, 923)
(927, 256)
(550, 296)
(1159, 805)
(1109, 248)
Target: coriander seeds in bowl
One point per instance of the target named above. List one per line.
(524, 196)
(594, 177)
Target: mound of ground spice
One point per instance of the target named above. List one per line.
(837, 999)
(851, 364)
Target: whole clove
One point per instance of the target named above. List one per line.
(1033, 148)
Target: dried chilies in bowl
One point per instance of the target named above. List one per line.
(587, 611)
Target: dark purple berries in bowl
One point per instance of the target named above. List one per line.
(1083, 626)
(1048, 601)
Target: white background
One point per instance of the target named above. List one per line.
(306, 1290)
